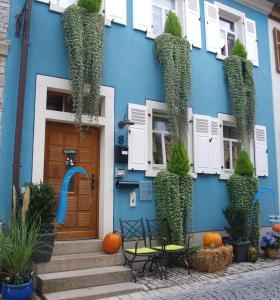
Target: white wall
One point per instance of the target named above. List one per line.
(276, 95)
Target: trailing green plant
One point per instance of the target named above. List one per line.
(168, 202)
(84, 41)
(239, 49)
(42, 205)
(238, 223)
(173, 54)
(172, 25)
(255, 226)
(239, 75)
(242, 187)
(244, 166)
(174, 194)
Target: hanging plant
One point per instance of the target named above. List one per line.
(84, 40)
(174, 194)
(173, 54)
(239, 75)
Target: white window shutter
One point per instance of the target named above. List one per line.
(193, 26)
(251, 41)
(201, 144)
(115, 11)
(215, 146)
(261, 151)
(142, 15)
(212, 27)
(138, 137)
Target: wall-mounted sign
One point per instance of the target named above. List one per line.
(146, 190)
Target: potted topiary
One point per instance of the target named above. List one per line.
(42, 206)
(18, 243)
(238, 232)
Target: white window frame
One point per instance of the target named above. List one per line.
(179, 11)
(161, 107)
(229, 120)
(228, 13)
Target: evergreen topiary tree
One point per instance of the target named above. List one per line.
(179, 160)
(90, 5)
(239, 49)
(172, 25)
(244, 166)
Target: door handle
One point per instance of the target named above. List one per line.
(93, 182)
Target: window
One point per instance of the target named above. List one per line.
(232, 147)
(162, 141)
(227, 36)
(160, 9)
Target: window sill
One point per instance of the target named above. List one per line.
(220, 56)
(225, 175)
(150, 35)
(154, 173)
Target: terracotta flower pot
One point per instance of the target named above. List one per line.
(272, 253)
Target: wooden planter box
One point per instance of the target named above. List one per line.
(212, 260)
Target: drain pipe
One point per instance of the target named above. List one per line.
(23, 19)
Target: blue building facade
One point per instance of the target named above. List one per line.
(130, 68)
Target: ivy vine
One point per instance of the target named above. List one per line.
(84, 41)
(239, 75)
(173, 54)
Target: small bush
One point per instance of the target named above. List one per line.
(90, 5)
(238, 223)
(172, 25)
(244, 166)
(239, 49)
(179, 161)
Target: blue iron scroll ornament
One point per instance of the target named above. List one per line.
(62, 204)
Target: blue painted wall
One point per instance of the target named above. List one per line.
(131, 69)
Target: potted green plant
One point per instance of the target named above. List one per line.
(18, 243)
(42, 206)
(238, 232)
(270, 243)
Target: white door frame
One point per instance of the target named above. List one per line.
(106, 124)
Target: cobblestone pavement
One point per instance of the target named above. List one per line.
(248, 281)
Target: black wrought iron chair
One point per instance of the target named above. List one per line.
(159, 241)
(134, 231)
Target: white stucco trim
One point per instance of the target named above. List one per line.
(276, 96)
(106, 123)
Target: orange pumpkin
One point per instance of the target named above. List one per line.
(276, 227)
(212, 240)
(112, 243)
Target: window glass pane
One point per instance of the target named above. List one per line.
(226, 132)
(68, 104)
(168, 146)
(223, 42)
(230, 42)
(169, 4)
(226, 25)
(236, 147)
(157, 149)
(157, 20)
(160, 123)
(55, 102)
(226, 155)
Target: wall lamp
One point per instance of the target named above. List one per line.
(125, 122)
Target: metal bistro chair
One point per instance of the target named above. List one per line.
(158, 241)
(134, 231)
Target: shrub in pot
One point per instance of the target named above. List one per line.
(238, 232)
(18, 243)
(42, 205)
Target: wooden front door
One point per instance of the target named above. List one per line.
(64, 148)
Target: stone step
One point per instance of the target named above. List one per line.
(77, 246)
(69, 280)
(96, 292)
(70, 262)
